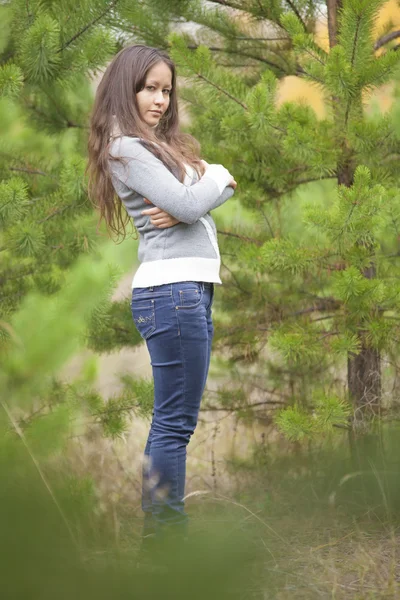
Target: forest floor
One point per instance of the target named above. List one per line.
(298, 532)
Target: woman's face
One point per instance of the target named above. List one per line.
(153, 99)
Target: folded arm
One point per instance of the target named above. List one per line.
(149, 177)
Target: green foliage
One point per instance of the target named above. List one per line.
(46, 436)
(260, 101)
(357, 20)
(112, 415)
(25, 240)
(294, 424)
(46, 331)
(11, 80)
(285, 255)
(14, 201)
(328, 412)
(38, 54)
(142, 390)
(136, 399)
(296, 345)
(339, 75)
(48, 53)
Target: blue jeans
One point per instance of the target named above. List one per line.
(175, 320)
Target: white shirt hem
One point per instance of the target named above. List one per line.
(172, 270)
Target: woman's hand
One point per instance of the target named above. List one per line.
(159, 218)
(232, 184)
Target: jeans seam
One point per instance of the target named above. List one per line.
(183, 365)
(211, 298)
(184, 397)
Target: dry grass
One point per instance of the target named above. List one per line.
(350, 564)
(325, 556)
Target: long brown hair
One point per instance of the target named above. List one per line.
(116, 105)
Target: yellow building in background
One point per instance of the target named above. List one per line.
(295, 89)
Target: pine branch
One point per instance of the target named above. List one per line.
(326, 318)
(262, 9)
(301, 71)
(296, 12)
(311, 179)
(117, 409)
(356, 34)
(241, 53)
(24, 422)
(9, 297)
(266, 220)
(120, 329)
(385, 39)
(220, 89)
(245, 357)
(84, 29)
(55, 213)
(263, 39)
(269, 391)
(25, 170)
(236, 281)
(228, 4)
(328, 334)
(326, 304)
(237, 408)
(6, 277)
(314, 56)
(68, 122)
(240, 237)
(275, 194)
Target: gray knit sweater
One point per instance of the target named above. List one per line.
(187, 251)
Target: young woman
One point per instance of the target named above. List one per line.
(138, 155)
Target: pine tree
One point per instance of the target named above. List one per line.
(311, 281)
(49, 54)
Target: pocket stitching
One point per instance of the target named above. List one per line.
(151, 318)
(181, 297)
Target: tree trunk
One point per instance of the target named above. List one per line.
(333, 7)
(364, 378)
(364, 382)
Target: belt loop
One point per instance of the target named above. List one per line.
(202, 286)
(151, 288)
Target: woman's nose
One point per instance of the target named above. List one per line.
(159, 98)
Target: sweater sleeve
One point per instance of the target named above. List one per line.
(148, 176)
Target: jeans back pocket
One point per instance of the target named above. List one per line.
(144, 317)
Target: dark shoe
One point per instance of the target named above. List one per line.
(149, 556)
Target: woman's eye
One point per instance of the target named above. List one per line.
(150, 87)
(167, 92)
